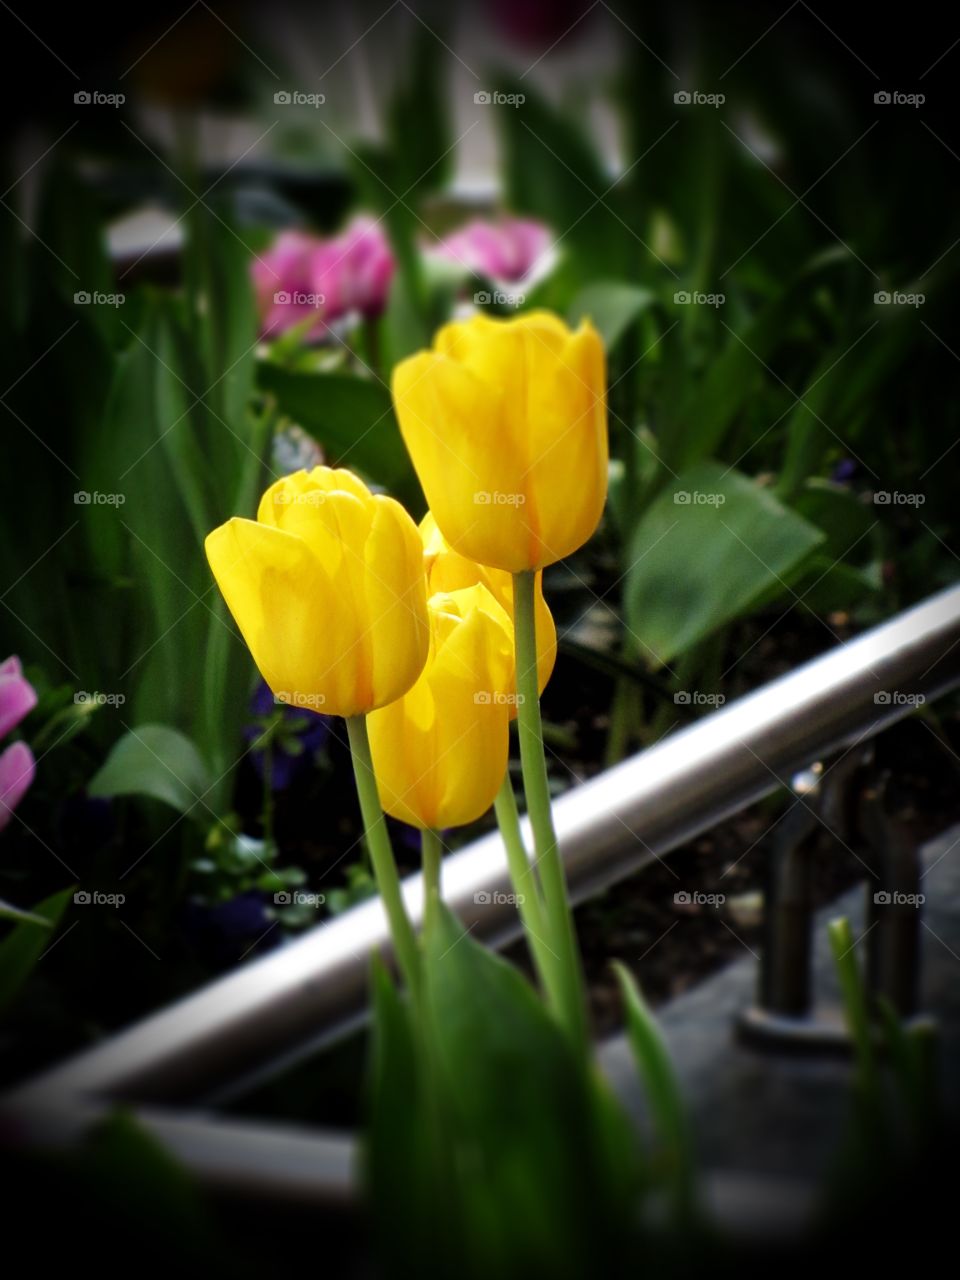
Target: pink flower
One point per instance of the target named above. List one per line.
(283, 284)
(17, 766)
(303, 275)
(355, 269)
(510, 249)
(17, 696)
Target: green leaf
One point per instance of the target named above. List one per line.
(156, 761)
(844, 570)
(709, 405)
(663, 1090)
(611, 306)
(352, 417)
(22, 948)
(825, 586)
(125, 1166)
(554, 172)
(856, 1011)
(400, 1164)
(72, 225)
(9, 912)
(528, 1136)
(697, 564)
(418, 122)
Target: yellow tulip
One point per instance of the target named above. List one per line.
(506, 423)
(448, 570)
(328, 589)
(440, 752)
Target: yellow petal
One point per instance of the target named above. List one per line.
(449, 571)
(440, 752)
(569, 457)
(506, 424)
(395, 601)
(284, 604)
(455, 428)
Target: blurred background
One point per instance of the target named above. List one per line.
(222, 225)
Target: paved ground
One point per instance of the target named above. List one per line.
(769, 1125)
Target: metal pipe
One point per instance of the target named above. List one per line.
(785, 970)
(294, 998)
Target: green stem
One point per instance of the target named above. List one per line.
(268, 791)
(371, 336)
(562, 940)
(524, 880)
(856, 1009)
(431, 851)
(381, 854)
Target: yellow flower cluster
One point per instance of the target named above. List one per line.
(351, 610)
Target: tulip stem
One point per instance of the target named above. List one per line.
(569, 1001)
(381, 854)
(527, 890)
(431, 850)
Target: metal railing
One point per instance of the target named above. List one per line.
(292, 1001)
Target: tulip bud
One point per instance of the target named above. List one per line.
(440, 752)
(506, 423)
(328, 590)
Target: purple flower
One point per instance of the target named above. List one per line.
(17, 765)
(302, 275)
(225, 932)
(844, 471)
(307, 729)
(510, 249)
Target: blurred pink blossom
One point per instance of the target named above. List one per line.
(17, 696)
(509, 249)
(303, 275)
(281, 274)
(17, 766)
(354, 270)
